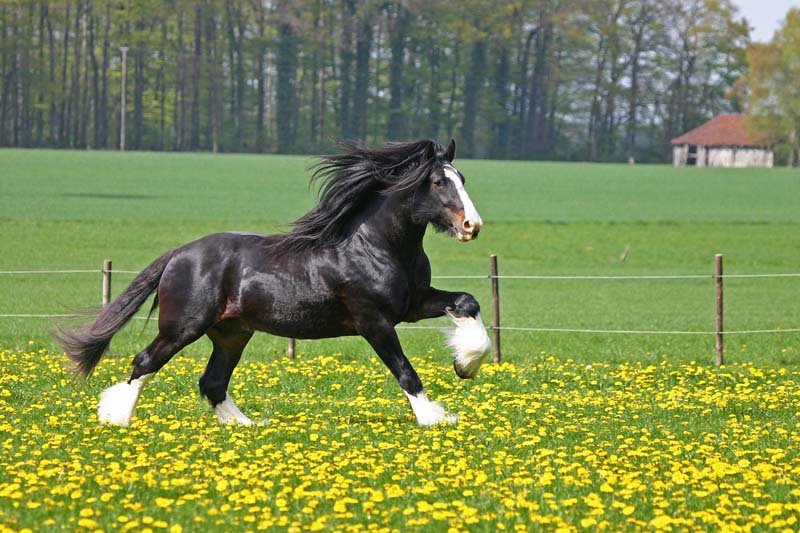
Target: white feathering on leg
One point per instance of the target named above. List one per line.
(117, 404)
(228, 413)
(470, 344)
(429, 413)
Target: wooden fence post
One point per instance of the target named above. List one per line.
(720, 347)
(290, 349)
(106, 282)
(495, 308)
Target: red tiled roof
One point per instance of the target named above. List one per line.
(722, 130)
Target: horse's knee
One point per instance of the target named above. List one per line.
(154, 357)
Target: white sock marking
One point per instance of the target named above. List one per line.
(228, 413)
(470, 344)
(117, 404)
(429, 413)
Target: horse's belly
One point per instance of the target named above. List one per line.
(301, 314)
(304, 323)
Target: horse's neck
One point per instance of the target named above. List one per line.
(389, 221)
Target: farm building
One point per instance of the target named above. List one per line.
(721, 142)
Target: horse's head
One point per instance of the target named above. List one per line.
(443, 199)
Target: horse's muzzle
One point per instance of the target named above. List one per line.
(468, 231)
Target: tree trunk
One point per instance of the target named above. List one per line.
(25, 75)
(287, 72)
(83, 131)
(238, 79)
(500, 127)
(537, 108)
(434, 104)
(396, 126)
(522, 101)
(594, 113)
(179, 101)
(261, 89)
(363, 48)
(103, 122)
(73, 106)
(40, 79)
(472, 89)
(214, 102)
(4, 75)
(194, 140)
(345, 72)
(95, 83)
(62, 122)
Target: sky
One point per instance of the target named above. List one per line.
(764, 16)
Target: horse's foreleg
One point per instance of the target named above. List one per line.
(434, 303)
(468, 339)
(229, 339)
(383, 339)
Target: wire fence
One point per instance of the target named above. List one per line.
(107, 271)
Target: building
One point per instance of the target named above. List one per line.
(721, 142)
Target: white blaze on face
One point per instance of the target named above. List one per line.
(472, 220)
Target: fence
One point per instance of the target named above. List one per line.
(494, 278)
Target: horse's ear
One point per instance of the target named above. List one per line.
(450, 154)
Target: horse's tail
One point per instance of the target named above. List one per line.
(85, 346)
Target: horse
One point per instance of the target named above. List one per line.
(353, 265)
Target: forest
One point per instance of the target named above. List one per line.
(599, 80)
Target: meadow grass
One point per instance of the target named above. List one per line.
(580, 431)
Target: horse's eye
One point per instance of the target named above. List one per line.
(438, 182)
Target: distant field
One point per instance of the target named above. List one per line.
(71, 210)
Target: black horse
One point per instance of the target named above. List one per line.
(353, 265)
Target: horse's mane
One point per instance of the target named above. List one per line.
(349, 179)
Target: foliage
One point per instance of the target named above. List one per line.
(774, 103)
(521, 79)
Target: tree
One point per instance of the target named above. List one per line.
(774, 103)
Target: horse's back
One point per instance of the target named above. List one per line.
(247, 276)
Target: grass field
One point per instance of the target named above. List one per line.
(583, 431)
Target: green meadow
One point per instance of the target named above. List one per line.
(72, 210)
(572, 432)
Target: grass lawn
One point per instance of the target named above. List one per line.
(577, 430)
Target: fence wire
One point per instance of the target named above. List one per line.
(473, 277)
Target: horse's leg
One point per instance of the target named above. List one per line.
(383, 339)
(432, 303)
(184, 317)
(118, 403)
(229, 338)
(468, 339)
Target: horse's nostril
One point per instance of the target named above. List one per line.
(468, 225)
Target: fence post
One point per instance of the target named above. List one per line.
(495, 308)
(290, 349)
(720, 347)
(106, 282)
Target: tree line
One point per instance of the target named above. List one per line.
(597, 80)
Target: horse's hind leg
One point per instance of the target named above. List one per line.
(118, 403)
(229, 338)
